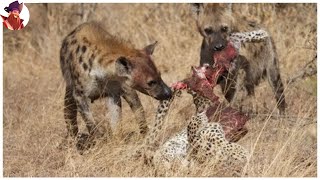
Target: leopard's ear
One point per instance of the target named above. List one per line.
(194, 70)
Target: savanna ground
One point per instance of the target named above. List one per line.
(34, 89)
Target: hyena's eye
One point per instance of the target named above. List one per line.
(152, 83)
(224, 28)
(208, 30)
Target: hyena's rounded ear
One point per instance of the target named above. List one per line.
(123, 67)
(196, 9)
(150, 48)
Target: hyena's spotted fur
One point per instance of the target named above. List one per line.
(215, 22)
(95, 64)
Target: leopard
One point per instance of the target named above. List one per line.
(176, 147)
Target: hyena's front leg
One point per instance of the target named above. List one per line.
(134, 102)
(228, 86)
(114, 110)
(248, 81)
(70, 112)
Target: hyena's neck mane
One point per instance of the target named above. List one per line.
(116, 45)
(97, 37)
(244, 24)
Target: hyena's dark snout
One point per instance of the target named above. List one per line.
(218, 47)
(164, 93)
(217, 42)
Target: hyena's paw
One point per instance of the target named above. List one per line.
(99, 134)
(84, 142)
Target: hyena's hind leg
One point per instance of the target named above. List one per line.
(274, 79)
(278, 88)
(85, 141)
(84, 109)
(70, 116)
(70, 113)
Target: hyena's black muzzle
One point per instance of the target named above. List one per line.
(162, 92)
(156, 89)
(216, 41)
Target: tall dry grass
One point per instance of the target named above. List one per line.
(34, 91)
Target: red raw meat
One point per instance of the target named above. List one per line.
(203, 80)
(224, 57)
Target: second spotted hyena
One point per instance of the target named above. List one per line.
(216, 22)
(95, 65)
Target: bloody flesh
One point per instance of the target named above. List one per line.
(203, 80)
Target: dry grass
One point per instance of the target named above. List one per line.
(34, 90)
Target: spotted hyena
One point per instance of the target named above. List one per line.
(95, 65)
(216, 22)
